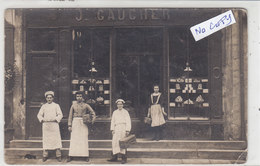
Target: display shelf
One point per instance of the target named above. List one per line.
(188, 97)
(96, 90)
(97, 93)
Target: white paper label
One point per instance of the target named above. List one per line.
(212, 25)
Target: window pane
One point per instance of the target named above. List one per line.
(188, 75)
(91, 46)
(91, 68)
(138, 66)
(41, 40)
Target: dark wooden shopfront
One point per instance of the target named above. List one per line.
(130, 49)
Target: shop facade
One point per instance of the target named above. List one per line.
(120, 53)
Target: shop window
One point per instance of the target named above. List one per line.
(91, 68)
(189, 78)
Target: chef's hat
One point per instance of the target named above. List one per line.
(49, 93)
(120, 100)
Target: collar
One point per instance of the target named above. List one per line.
(156, 94)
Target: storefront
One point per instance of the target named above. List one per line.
(120, 53)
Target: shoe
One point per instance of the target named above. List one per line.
(44, 159)
(69, 159)
(113, 158)
(87, 159)
(59, 159)
(124, 159)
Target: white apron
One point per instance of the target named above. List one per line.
(51, 136)
(120, 132)
(79, 138)
(157, 115)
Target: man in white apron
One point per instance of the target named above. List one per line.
(79, 130)
(120, 127)
(50, 116)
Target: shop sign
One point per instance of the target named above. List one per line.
(122, 14)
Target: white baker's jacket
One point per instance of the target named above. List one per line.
(52, 115)
(50, 112)
(120, 123)
(120, 117)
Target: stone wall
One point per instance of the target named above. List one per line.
(233, 79)
(18, 111)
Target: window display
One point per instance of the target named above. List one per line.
(188, 82)
(91, 68)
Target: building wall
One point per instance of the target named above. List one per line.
(234, 78)
(15, 18)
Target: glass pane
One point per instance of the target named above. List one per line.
(91, 46)
(138, 66)
(43, 75)
(188, 76)
(91, 68)
(130, 40)
(139, 40)
(82, 53)
(41, 40)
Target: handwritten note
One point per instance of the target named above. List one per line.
(212, 25)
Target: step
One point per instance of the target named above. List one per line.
(129, 161)
(17, 153)
(141, 143)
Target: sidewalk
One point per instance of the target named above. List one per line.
(129, 161)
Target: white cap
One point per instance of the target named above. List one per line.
(120, 100)
(49, 93)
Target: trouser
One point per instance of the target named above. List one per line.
(46, 153)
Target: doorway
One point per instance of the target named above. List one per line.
(139, 65)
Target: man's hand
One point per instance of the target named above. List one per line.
(70, 129)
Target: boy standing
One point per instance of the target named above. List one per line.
(120, 127)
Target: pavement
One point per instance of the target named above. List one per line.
(129, 161)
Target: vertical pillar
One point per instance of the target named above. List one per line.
(231, 82)
(244, 73)
(166, 72)
(64, 68)
(112, 71)
(18, 91)
(9, 60)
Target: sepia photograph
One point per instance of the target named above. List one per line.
(125, 86)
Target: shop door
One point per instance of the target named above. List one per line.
(138, 66)
(40, 80)
(47, 66)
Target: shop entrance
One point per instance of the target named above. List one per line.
(139, 61)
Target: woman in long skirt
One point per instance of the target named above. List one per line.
(156, 112)
(120, 127)
(50, 116)
(79, 130)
